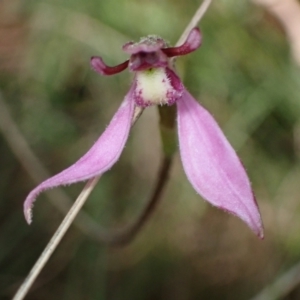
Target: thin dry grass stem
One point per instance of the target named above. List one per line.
(123, 236)
(62, 229)
(55, 240)
(194, 21)
(282, 285)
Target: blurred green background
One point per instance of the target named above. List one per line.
(243, 73)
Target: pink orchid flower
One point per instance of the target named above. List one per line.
(209, 161)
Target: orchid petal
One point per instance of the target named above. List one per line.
(211, 164)
(101, 157)
(192, 43)
(100, 67)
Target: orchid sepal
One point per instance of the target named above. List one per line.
(211, 164)
(101, 156)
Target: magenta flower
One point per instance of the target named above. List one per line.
(209, 161)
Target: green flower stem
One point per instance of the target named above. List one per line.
(167, 126)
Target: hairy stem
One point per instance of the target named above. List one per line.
(123, 236)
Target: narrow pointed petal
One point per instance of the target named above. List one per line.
(101, 157)
(192, 43)
(100, 67)
(212, 165)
